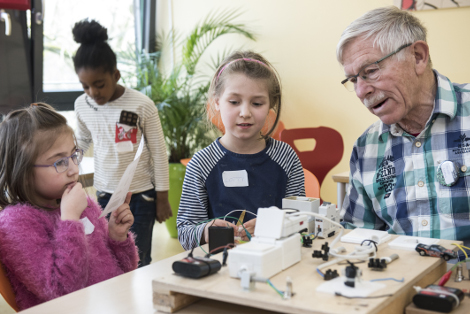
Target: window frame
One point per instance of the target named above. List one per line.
(145, 26)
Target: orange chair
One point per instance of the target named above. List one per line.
(312, 186)
(185, 161)
(327, 153)
(6, 290)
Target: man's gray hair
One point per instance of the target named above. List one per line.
(389, 27)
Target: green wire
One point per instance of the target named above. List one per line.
(201, 222)
(272, 286)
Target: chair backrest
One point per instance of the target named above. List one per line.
(6, 290)
(327, 153)
(312, 186)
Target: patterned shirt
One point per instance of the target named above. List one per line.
(393, 178)
(272, 174)
(98, 124)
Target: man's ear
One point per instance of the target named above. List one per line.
(117, 75)
(421, 54)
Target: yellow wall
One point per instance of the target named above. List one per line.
(299, 37)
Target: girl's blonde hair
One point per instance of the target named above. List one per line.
(253, 66)
(24, 135)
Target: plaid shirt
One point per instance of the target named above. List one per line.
(393, 184)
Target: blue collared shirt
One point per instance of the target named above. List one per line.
(393, 182)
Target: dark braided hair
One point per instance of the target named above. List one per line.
(94, 52)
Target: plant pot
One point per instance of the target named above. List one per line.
(177, 171)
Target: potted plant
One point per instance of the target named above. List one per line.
(180, 96)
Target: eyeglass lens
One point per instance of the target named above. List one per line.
(370, 73)
(62, 164)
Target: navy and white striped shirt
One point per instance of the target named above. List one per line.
(273, 173)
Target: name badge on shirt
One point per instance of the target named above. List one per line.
(447, 173)
(237, 178)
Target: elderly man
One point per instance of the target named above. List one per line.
(410, 171)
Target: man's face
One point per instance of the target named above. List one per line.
(392, 96)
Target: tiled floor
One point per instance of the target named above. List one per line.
(163, 246)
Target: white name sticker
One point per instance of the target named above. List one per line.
(235, 178)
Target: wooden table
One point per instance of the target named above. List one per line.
(341, 179)
(139, 290)
(87, 170)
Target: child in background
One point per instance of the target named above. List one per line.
(243, 169)
(45, 246)
(114, 118)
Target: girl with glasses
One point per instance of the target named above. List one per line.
(52, 241)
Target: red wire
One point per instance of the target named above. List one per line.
(445, 278)
(220, 247)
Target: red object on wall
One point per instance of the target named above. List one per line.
(15, 4)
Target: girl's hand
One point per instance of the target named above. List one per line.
(73, 202)
(163, 207)
(249, 226)
(121, 221)
(219, 223)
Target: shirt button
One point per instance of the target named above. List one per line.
(418, 144)
(463, 168)
(420, 184)
(424, 223)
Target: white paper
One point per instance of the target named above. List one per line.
(235, 178)
(89, 227)
(119, 195)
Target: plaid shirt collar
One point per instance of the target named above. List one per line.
(444, 103)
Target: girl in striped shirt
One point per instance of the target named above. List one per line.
(245, 168)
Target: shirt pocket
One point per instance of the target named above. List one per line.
(454, 200)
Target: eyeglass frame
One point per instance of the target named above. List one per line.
(376, 62)
(66, 161)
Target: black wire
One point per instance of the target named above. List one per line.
(371, 241)
(372, 297)
(191, 253)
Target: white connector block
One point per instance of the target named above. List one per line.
(303, 204)
(325, 228)
(264, 257)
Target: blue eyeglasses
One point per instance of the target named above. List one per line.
(62, 164)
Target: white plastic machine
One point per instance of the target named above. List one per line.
(316, 225)
(303, 204)
(275, 246)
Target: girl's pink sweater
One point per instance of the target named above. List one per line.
(46, 257)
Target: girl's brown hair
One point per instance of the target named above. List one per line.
(253, 66)
(24, 135)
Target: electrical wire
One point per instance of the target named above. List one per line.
(222, 246)
(320, 272)
(339, 294)
(384, 279)
(281, 293)
(240, 210)
(461, 248)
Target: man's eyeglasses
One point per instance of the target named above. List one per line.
(369, 73)
(62, 164)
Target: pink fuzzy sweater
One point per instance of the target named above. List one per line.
(46, 257)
